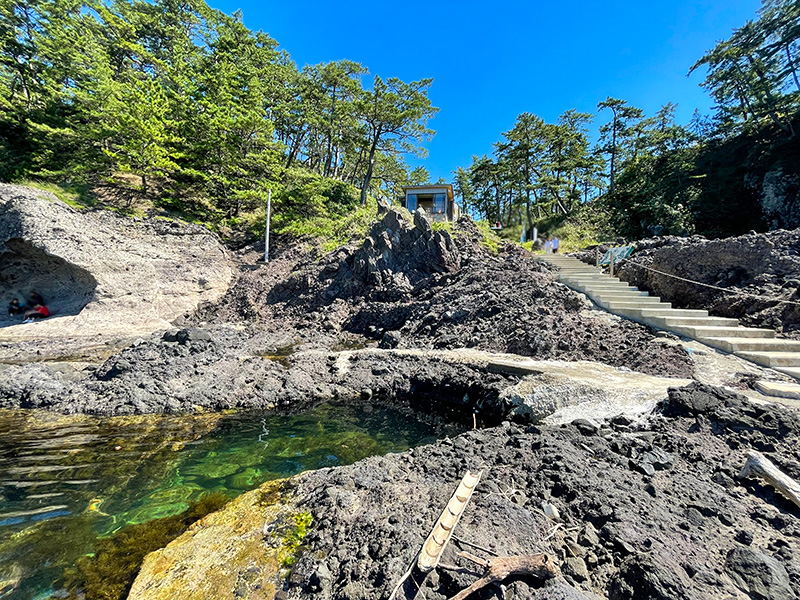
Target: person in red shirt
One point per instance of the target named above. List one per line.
(38, 309)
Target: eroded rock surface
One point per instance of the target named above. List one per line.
(683, 530)
(217, 374)
(104, 276)
(429, 289)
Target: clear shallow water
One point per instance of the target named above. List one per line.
(66, 482)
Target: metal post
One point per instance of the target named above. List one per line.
(611, 263)
(266, 235)
(597, 256)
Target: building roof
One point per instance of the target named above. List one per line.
(446, 186)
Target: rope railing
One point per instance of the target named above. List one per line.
(715, 287)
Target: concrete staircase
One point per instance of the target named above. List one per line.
(757, 345)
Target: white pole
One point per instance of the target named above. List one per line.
(266, 235)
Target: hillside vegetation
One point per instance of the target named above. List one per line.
(173, 105)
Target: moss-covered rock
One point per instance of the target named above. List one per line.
(238, 552)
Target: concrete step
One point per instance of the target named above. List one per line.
(703, 332)
(736, 345)
(611, 285)
(616, 305)
(668, 322)
(773, 359)
(791, 371)
(580, 272)
(618, 291)
(591, 280)
(636, 298)
(707, 331)
(650, 312)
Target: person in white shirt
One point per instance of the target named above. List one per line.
(548, 247)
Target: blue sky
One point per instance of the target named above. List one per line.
(491, 61)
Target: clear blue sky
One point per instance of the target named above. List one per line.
(491, 61)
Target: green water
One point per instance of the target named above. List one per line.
(67, 482)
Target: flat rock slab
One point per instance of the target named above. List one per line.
(779, 389)
(103, 275)
(561, 391)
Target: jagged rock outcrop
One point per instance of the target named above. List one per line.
(395, 253)
(104, 276)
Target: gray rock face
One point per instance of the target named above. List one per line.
(643, 576)
(759, 575)
(762, 264)
(103, 276)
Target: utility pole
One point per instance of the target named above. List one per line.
(266, 235)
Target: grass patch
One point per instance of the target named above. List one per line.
(331, 230)
(489, 239)
(76, 196)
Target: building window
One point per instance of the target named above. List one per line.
(438, 203)
(411, 202)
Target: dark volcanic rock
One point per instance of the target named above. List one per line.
(644, 577)
(646, 548)
(442, 291)
(755, 272)
(759, 575)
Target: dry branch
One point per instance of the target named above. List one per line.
(498, 568)
(759, 465)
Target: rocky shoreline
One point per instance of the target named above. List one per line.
(608, 427)
(650, 509)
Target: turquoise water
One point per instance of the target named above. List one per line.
(66, 482)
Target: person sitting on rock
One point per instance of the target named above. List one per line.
(39, 311)
(35, 299)
(14, 308)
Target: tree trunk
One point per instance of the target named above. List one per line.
(370, 166)
(790, 62)
(613, 152)
(329, 149)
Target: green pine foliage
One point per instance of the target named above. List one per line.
(722, 174)
(200, 114)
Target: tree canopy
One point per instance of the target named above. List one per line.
(187, 97)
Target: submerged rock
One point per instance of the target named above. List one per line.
(614, 538)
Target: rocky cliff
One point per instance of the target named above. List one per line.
(756, 276)
(103, 276)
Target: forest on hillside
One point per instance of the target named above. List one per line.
(204, 115)
(723, 174)
(207, 114)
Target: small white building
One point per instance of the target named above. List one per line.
(435, 198)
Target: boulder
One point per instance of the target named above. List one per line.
(653, 577)
(759, 575)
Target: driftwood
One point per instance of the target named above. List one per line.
(759, 465)
(498, 568)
